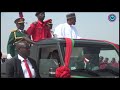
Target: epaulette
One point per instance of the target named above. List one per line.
(13, 30)
(35, 22)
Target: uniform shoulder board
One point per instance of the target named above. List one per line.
(35, 22)
(13, 30)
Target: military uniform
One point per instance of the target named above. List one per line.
(39, 30)
(49, 24)
(15, 36)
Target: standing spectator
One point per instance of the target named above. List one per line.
(104, 64)
(114, 63)
(101, 58)
(21, 66)
(67, 30)
(39, 30)
(106, 60)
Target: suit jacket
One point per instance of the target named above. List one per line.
(14, 68)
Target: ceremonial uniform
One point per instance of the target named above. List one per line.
(15, 36)
(39, 31)
(50, 25)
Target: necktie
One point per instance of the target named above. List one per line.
(28, 69)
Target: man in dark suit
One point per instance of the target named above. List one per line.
(21, 66)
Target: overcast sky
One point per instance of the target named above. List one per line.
(93, 25)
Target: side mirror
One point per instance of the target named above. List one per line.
(52, 72)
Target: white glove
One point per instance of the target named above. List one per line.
(9, 56)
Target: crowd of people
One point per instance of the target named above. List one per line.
(104, 62)
(40, 29)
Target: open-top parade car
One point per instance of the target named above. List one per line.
(74, 58)
(65, 57)
(51, 54)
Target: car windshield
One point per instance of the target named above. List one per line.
(94, 62)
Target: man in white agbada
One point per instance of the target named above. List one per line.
(67, 30)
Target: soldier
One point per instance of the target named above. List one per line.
(16, 35)
(50, 26)
(39, 30)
